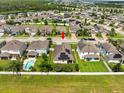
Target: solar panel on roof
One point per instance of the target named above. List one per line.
(117, 56)
(63, 56)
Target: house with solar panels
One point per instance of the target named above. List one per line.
(63, 54)
(111, 54)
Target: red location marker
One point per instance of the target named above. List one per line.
(63, 35)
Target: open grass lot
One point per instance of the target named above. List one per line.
(61, 84)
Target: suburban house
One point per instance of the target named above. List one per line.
(61, 29)
(121, 47)
(46, 30)
(1, 31)
(37, 48)
(88, 52)
(13, 48)
(108, 48)
(63, 54)
(114, 58)
(15, 30)
(31, 31)
(2, 43)
(111, 54)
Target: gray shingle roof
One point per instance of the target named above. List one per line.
(116, 56)
(13, 45)
(109, 47)
(86, 47)
(38, 45)
(64, 48)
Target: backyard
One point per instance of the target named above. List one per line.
(61, 84)
(92, 67)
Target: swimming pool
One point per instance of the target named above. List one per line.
(28, 63)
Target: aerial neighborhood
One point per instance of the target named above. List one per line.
(61, 46)
(92, 42)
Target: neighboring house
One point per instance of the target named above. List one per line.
(46, 30)
(2, 44)
(111, 54)
(2, 18)
(61, 29)
(37, 48)
(88, 52)
(108, 48)
(15, 30)
(114, 58)
(14, 48)
(21, 20)
(1, 31)
(121, 47)
(31, 31)
(74, 28)
(63, 54)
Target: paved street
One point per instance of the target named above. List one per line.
(29, 39)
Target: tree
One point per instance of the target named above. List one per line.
(85, 21)
(46, 22)
(54, 32)
(38, 33)
(83, 32)
(112, 24)
(99, 34)
(45, 67)
(15, 66)
(76, 67)
(117, 67)
(112, 32)
(45, 57)
(101, 21)
(36, 20)
(64, 23)
(10, 22)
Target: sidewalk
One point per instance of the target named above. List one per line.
(62, 73)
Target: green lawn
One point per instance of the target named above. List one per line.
(117, 36)
(4, 64)
(92, 67)
(61, 84)
(51, 56)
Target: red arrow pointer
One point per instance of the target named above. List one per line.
(63, 35)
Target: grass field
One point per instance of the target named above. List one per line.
(61, 84)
